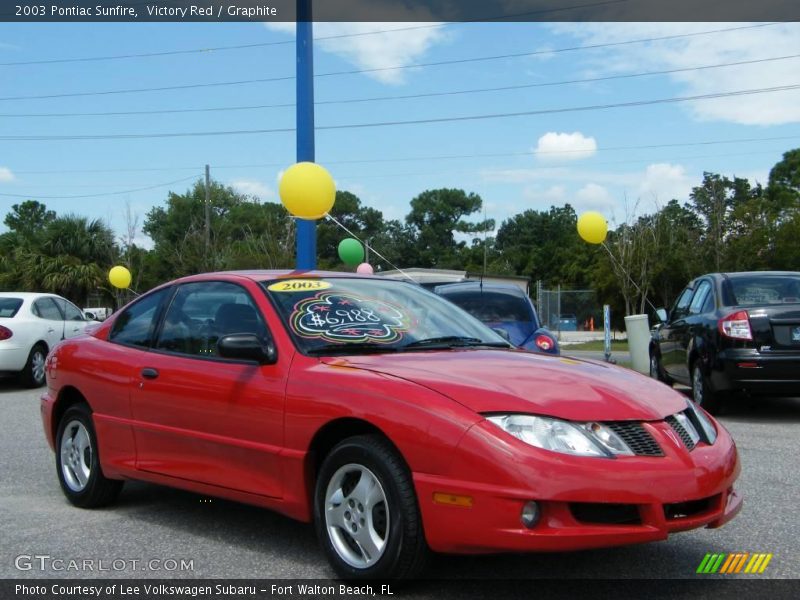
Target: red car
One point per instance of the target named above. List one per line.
(392, 420)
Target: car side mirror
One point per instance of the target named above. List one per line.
(502, 333)
(247, 346)
(662, 315)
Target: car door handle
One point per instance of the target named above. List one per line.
(149, 373)
(51, 330)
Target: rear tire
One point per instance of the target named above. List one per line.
(33, 375)
(366, 513)
(702, 394)
(78, 461)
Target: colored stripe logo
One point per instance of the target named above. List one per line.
(738, 562)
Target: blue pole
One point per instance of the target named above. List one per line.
(306, 230)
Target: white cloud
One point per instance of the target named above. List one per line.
(662, 182)
(565, 146)
(545, 197)
(719, 48)
(594, 196)
(6, 175)
(377, 52)
(251, 187)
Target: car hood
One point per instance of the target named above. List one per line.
(519, 381)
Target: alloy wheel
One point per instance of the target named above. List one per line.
(357, 515)
(76, 456)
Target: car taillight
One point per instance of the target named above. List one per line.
(544, 342)
(5, 333)
(736, 326)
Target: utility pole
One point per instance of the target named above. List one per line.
(306, 229)
(208, 217)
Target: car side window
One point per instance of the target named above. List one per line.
(699, 298)
(46, 308)
(71, 312)
(136, 324)
(681, 304)
(201, 313)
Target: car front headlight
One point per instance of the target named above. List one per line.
(700, 419)
(580, 439)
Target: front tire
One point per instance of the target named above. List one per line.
(78, 462)
(702, 394)
(656, 372)
(366, 513)
(33, 375)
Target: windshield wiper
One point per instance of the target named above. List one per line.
(452, 341)
(351, 348)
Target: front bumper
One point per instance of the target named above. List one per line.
(658, 495)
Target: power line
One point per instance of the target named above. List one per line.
(407, 96)
(419, 158)
(380, 69)
(431, 120)
(392, 175)
(120, 193)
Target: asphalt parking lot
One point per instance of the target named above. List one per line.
(225, 539)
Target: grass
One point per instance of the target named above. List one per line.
(597, 345)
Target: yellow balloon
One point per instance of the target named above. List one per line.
(307, 190)
(592, 227)
(120, 277)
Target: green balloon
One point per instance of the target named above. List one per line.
(351, 251)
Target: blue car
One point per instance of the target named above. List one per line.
(505, 307)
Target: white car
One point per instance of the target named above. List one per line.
(30, 326)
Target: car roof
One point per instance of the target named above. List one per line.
(738, 274)
(27, 295)
(490, 287)
(265, 274)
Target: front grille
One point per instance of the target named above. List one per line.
(681, 431)
(605, 514)
(636, 437)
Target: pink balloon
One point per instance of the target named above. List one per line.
(365, 268)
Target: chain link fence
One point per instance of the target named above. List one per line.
(568, 310)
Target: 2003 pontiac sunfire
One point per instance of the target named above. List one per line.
(385, 415)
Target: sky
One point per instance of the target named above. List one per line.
(530, 148)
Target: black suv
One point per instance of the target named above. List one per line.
(731, 332)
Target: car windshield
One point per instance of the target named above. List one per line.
(766, 289)
(9, 307)
(340, 315)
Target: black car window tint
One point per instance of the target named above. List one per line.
(47, 309)
(71, 312)
(682, 303)
(9, 307)
(203, 312)
(766, 289)
(491, 306)
(699, 298)
(135, 325)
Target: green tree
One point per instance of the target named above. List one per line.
(365, 222)
(28, 219)
(244, 233)
(435, 217)
(544, 245)
(71, 257)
